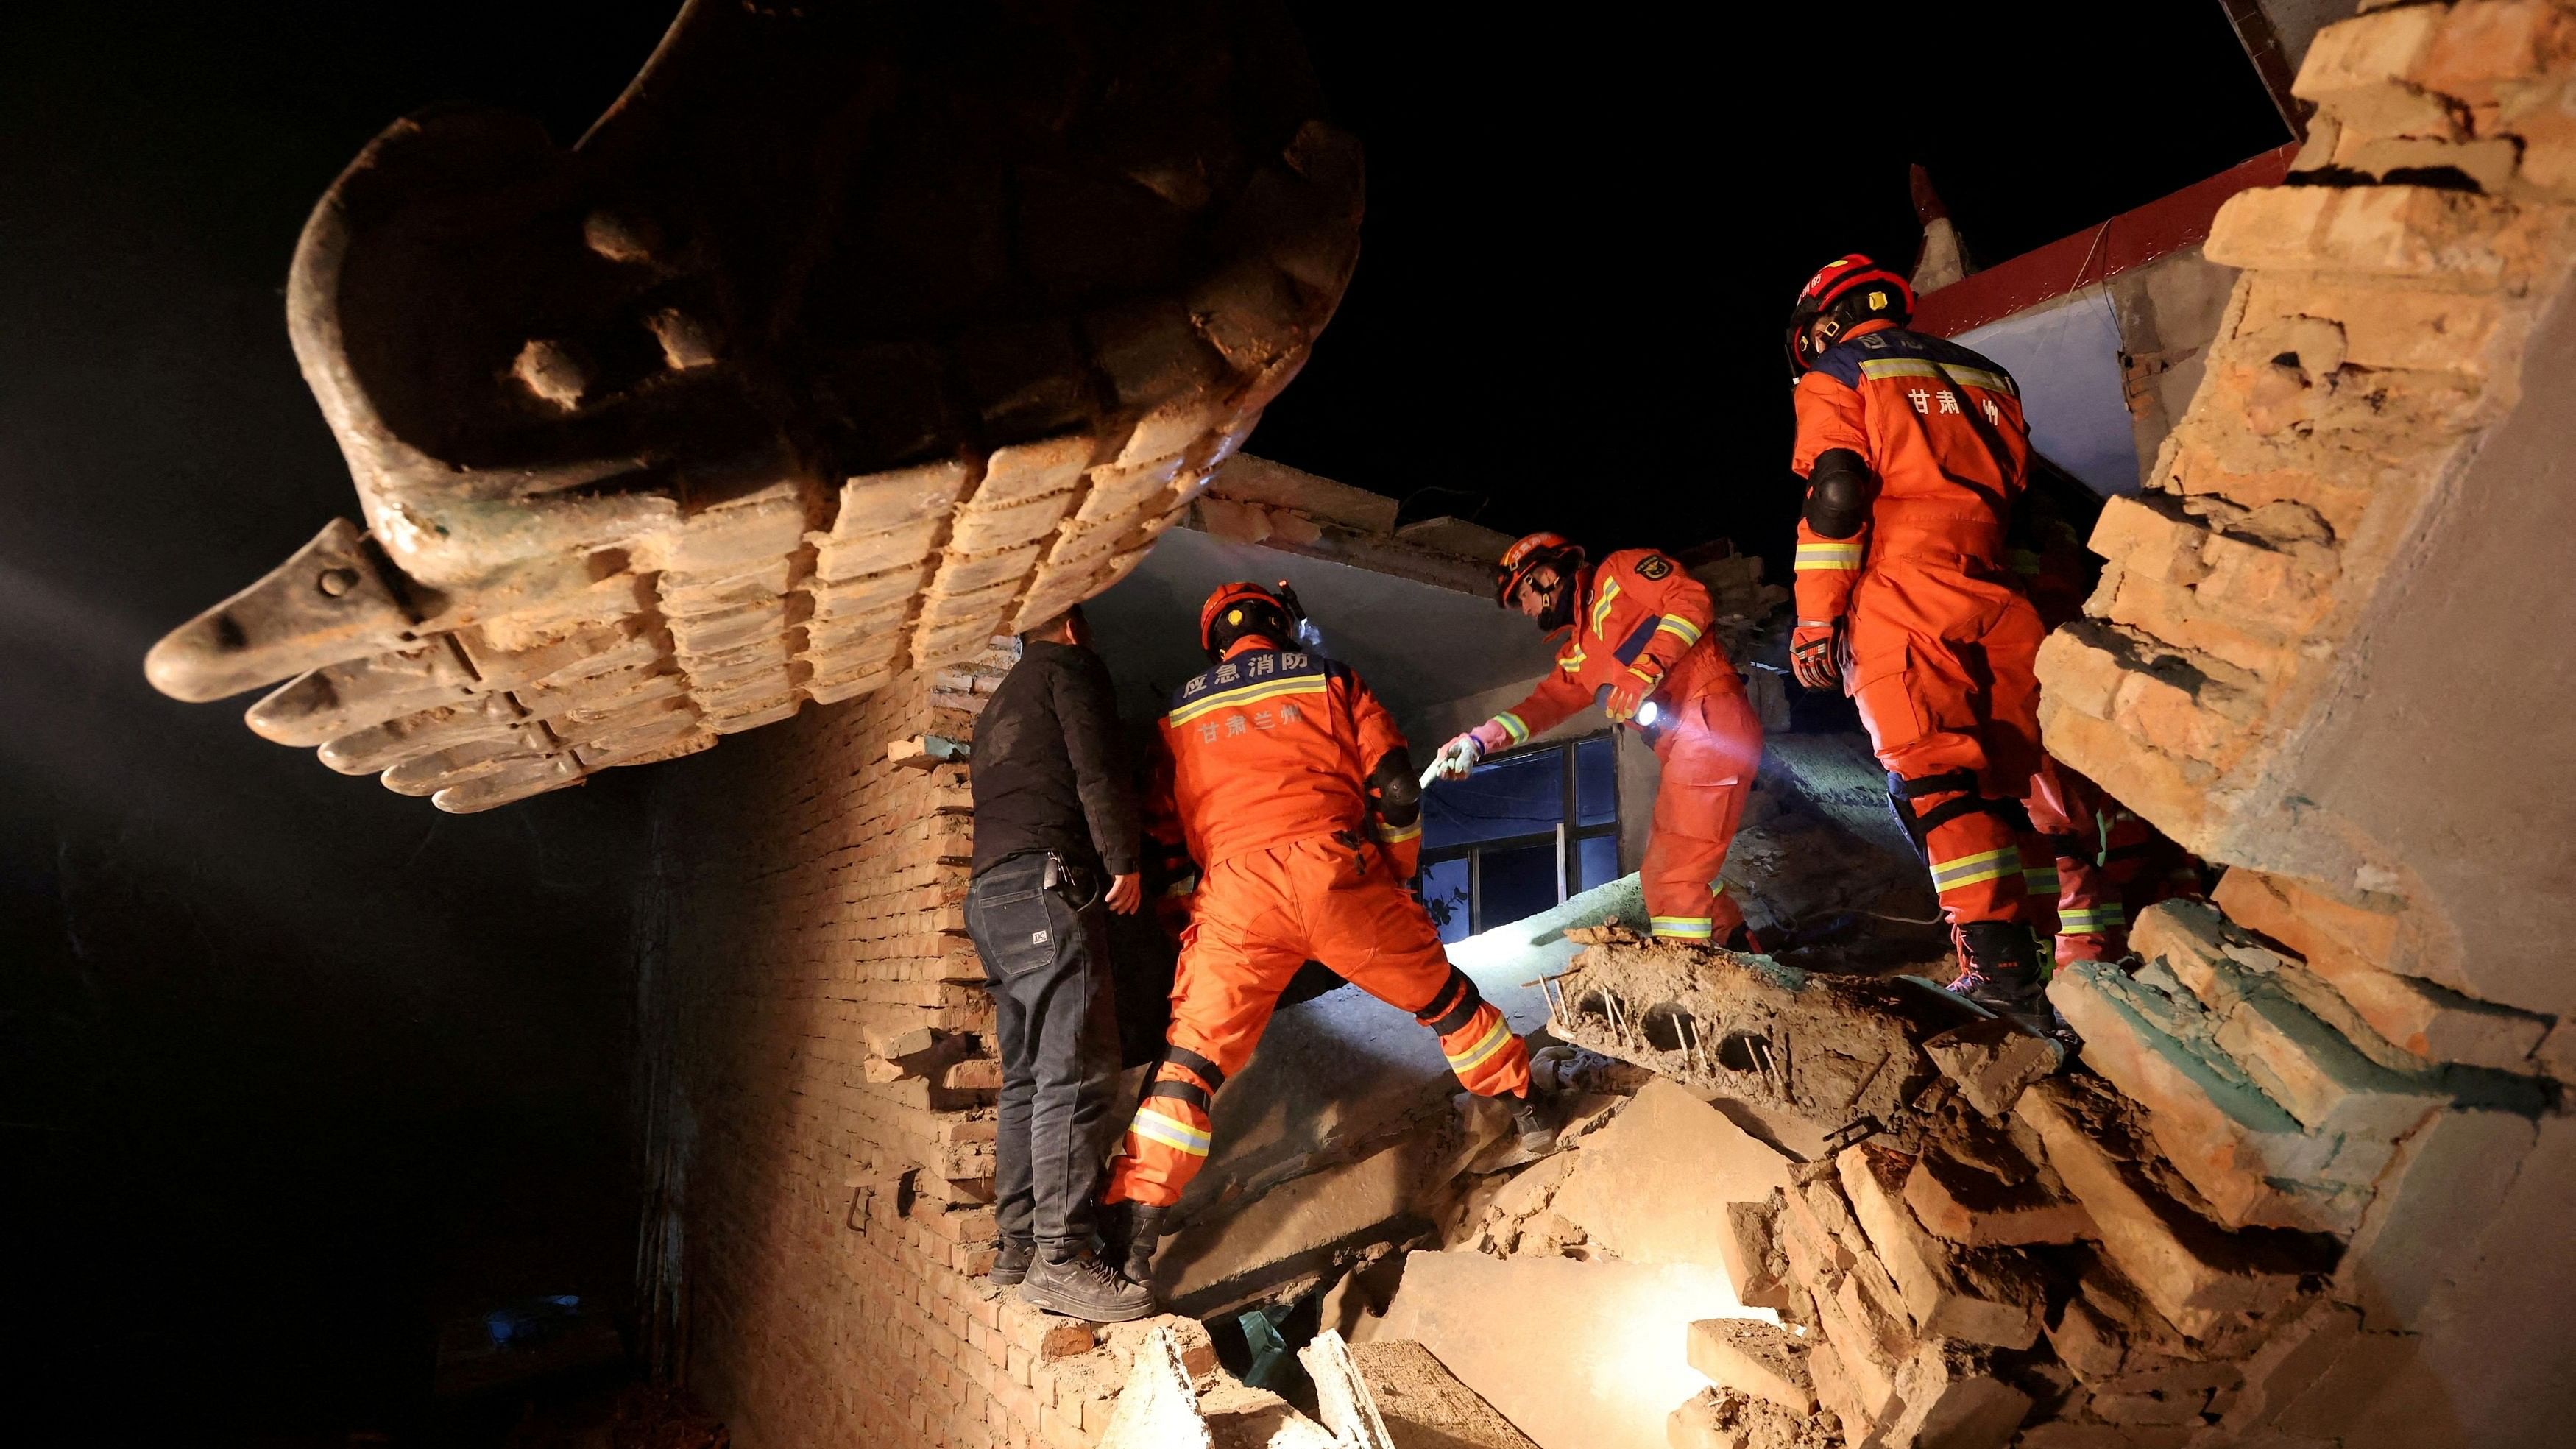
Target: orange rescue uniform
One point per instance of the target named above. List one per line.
(1270, 752)
(1640, 621)
(1941, 642)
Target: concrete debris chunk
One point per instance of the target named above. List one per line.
(1761, 1360)
(1992, 1060)
(1425, 1406)
(2192, 1271)
(1833, 1054)
(1660, 1183)
(1717, 1419)
(1159, 1407)
(1577, 1355)
(1953, 1400)
(1949, 1292)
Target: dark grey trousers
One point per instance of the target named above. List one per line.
(1046, 956)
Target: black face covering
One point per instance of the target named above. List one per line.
(1560, 611)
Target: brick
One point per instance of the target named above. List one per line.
(2192, 1272)
(1963, 1202)
(1948, 1292)
(1992, 1060)
(1953, 1399)
(2482, 48)
(2357, 951)
(2362, 71)
(1759, 1360)
(2462, 239)
(2240, 1149)
(2149, 534)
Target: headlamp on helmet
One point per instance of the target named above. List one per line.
(1845, 294)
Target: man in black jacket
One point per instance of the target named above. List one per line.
(1055, 851)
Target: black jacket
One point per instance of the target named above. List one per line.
(1046, 770)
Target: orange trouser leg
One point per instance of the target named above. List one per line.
(1710, 753)
(1941, 671)
(1242, 946)
(2076, 903)
(1363, 923)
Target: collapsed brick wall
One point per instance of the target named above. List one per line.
(2281, 669)
(822, 1118)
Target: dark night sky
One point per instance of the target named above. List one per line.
(290, 1067)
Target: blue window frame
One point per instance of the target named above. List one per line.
(1521, 834)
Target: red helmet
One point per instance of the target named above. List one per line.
(1527, 556)
(1243, 608)
(1848, 292)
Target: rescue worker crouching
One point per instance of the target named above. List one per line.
(1637, 633)
(1300, 804)
(1914, 451)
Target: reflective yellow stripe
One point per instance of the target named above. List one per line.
(1825, 557)
(1601, 606)
(1512, 726)
(1488, 1044)
(1392, 834)
(1918, 367)
(1249, 694)
(1679, 627)
(1688, 928)
(1966, 870)
(1153, 1126)
(2040, 879)
(2085, 920)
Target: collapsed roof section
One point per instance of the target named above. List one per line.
(823, 355)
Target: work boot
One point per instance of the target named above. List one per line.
(1999, 967)
(1082, 1286)
(1137, 1237)
(1011, 1264)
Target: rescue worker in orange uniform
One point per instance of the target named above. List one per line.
(1637, 635)
(1300, 804)
(1914, 451)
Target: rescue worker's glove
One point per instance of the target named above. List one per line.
(1458, 757)
(1815, 653)
(1623, 699)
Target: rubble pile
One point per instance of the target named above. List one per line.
(1966, 1240)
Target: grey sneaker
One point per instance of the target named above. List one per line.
(1011, 1264)
(1086, 1288)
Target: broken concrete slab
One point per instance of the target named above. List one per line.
(1424, 1406)
(1831, 1052)
(1657, 1185)
(1949, 1292)
(2238, 1147)
(1225, 1257)
(2194, 1272)
(1578, 1355)
(1343, 1400)
(1992, 1060)
(1761, 1360)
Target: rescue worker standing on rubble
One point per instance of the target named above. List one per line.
(1914, 451)
(1300, 805)
(1637, 638)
